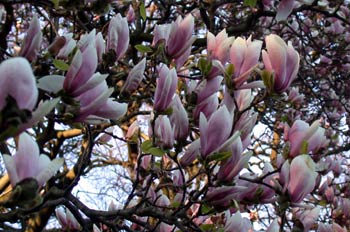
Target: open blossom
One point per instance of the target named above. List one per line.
(244, 55)
(177, 36)
(41, 167)
(81, 70)
(299, 177)
(166, 87)
(282, 60)
(118, 35)
(301, 132)
(17, 80)
(219, 46)
(32, 41)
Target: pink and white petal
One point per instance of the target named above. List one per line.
(10, 166)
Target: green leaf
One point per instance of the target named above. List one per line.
(143, 48)
(61, 65)
(304, 147)
(55, 3)
(205, 66)
(205, 209)
(156, 151)
(143, 11)
(251, 3)
(268, 79)
(207, 227)
(220, 156)
(147, 147)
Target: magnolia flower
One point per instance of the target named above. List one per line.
(308, 217)
(244, 55)
(67, 220)
(300, 177)
(285, 7)
(208, 106)
(27, 163)
(32, 41)
(164, 132)
(81, 70)
(166, 87)
(237, 223)
(191, 153)
(68, 47)
(221, 197)
(215, 131)
(282, 60)
(135, 77)
(17, 80)
(179, 119)
(177, 36)
(130, 15)
(96, 105)
(218, 47)
(300, 133)
(233, 165)
(118, 35)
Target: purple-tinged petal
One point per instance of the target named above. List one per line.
(18, 81)
(135, 77)
(32, 41)
(285, 7)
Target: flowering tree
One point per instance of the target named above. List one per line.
(191, 115)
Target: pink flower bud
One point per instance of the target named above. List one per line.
(221, 197)
(41, 167)
(118, 35)
(68, 47)
(132, 130)
(191, 153)
(135, 77)
(180, 37)
(281, 59)
(130, 15)
(32, 41)
(164, 132)
(179, 119)
(17, 80)
(166, 87)
(215, 131)
(302, 178)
